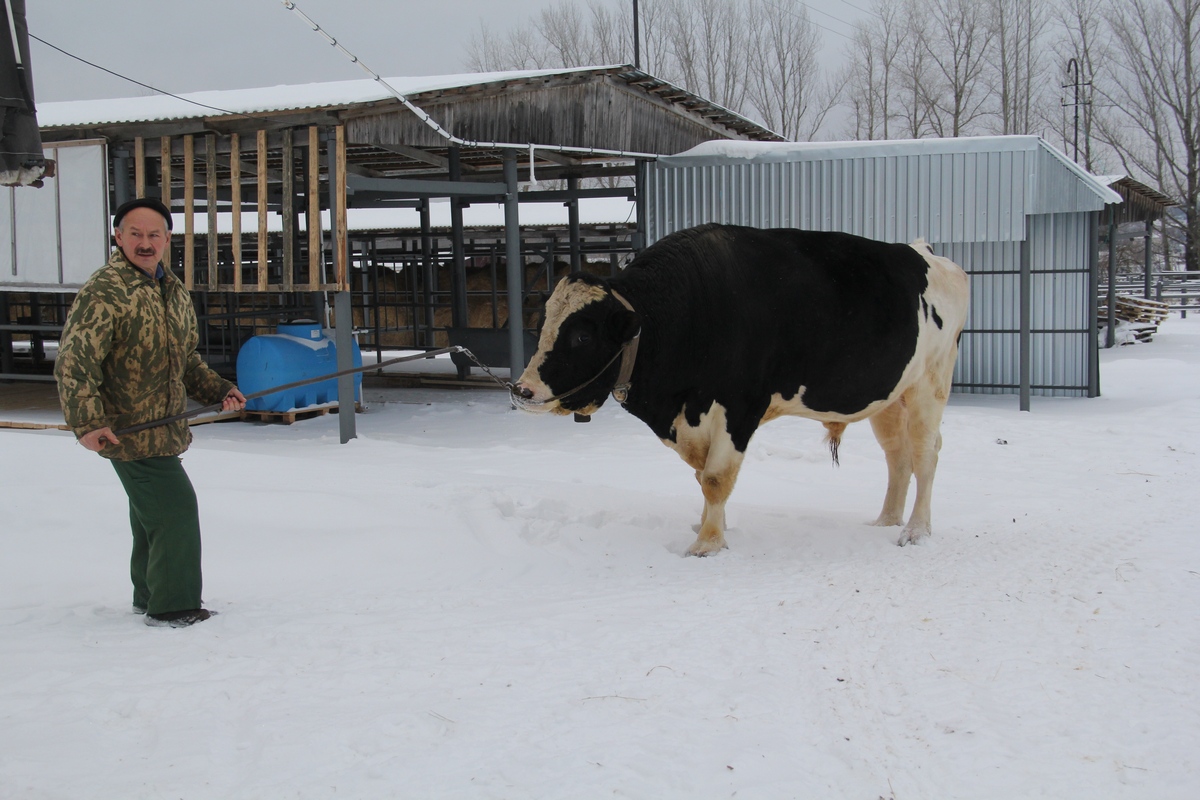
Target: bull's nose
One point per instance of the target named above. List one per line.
(522, 391)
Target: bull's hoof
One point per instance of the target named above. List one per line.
(914, 534)
(701, 548)
(887, 521)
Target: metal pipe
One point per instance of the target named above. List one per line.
(1026, 338)
(512, 241)
(1093, 301)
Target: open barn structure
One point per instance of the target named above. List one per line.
(265, 185)
(1019, 216)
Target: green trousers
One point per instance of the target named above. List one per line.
(165, 566)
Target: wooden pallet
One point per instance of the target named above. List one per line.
(32, 426)
(1140, 309)
(287, 417)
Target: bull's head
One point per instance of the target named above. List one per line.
(577, 362)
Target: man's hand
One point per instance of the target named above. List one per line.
(234, 401)
(97, 439)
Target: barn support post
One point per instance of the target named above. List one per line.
(288, 211)
(121, 188)
(139, 166)
(1110, 334)
(1148, 253)
(426, 277)
(164, 192)
(458, 304)
(210, 204)
(235, 206)
(1093, 303)
(189, 212)
(639, 204)
(344, 340)
(1026, 336)
(573, 226)
(512, 241)
(6, 340)
(342, 303)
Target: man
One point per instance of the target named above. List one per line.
(127, 356)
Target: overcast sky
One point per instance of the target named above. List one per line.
(194, 45)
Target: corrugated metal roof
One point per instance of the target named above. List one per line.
(286, 99)
(709, 153)
(263, 100)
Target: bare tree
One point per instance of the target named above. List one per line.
(874, 70)
(756, 57)
(561, 36)
(520, 48)
(916, 73)
(784, 81)
(1154, 101)
(1018, 68)
(957, 42)
(709, 42)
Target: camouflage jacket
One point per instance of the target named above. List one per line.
(128, 355)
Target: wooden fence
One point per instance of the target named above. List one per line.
(279, 172)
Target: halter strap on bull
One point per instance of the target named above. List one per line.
(627, 354)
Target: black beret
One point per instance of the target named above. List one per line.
(141, 202)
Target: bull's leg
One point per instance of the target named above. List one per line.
(716, 482)
(891, 431)
(709, 450)
(926, 402)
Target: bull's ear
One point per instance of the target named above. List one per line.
(625, 324)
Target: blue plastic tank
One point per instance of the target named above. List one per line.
(296, 351)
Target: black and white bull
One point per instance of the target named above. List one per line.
(717, 329)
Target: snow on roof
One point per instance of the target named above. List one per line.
(265, 99)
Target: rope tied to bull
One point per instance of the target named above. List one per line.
(627, 354)
(296, 384)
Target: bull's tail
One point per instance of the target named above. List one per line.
(833, 438)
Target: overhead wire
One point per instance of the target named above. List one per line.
(136, 82)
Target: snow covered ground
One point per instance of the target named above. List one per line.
(467, 602)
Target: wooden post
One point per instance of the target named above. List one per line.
(210, 169)
(165, 188)
(289, 210)
(339, 221)
(262, 211)
(139, 167)
(235, 190)
(314, 210)
(189, 212)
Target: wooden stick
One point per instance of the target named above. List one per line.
(139, 166)
(339, 236)
(189, 212)
(210, 167)
(289, 210)
(262, 211)
(314, 210)
(165, 188)
(235, 188)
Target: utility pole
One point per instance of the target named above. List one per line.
(1076, 84)
(637, 39)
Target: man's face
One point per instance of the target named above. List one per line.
(143, 238)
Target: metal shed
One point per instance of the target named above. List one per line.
(1018, 215)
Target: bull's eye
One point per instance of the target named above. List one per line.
(580, 338)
